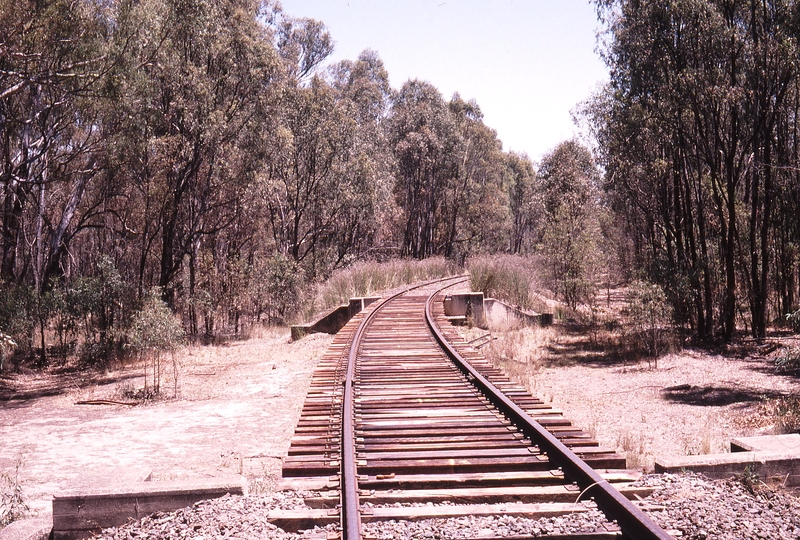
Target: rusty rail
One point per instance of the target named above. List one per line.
(634, 523)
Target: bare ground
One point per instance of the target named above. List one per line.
(235, 412)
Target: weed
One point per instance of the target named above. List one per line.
(634, 447)
(12, 501)
(793, 317)
(510, 278)
(749, 479)
(651, 318)
(7, 344)
(367, 278)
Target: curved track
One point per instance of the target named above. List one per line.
(410, 422)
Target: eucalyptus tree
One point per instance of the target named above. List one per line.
(424, 142)
(567, 181)
(194, 88)
(523, 201)
(475, 205)
(695, 134)
(52, 65)
(362, 89)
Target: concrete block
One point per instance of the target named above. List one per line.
(774, 466)
(499, 313)
(358, 304)
(334, 320)
(775, 444)
(79, 513)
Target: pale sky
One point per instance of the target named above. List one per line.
(527, 63)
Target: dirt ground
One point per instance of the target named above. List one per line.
(235, 413)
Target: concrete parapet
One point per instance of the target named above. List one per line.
(499, 313)
(360, 303)
(28, 529)
(80, 513)
(466, 305)
(335, 319)
(775, 444)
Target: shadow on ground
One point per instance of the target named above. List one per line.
(716, 396)
(16, 395)
(603, 350)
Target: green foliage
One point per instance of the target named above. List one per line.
(101, 305)
(155, 330)
(651, 317)
(749, 480)
(18, 313)
(571, 233)
(278, 285)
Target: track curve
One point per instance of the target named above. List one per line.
(411, 429)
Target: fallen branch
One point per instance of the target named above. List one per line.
(106, 402)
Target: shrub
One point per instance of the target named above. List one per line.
(12, 501)
(788, 360)
(651, 317)
(367, 278)
(793, 318)
(7, 344)
(155, 330)
(787, 414)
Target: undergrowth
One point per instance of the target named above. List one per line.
(12, 500)
(787, 414)
(788, 360)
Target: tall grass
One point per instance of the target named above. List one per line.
(368, 278)
(510, 278)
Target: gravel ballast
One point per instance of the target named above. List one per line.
(686, 505)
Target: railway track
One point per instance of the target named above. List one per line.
(405, 420)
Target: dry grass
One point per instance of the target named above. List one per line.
(634, 447)
(520, 351)
(369, 278)
(512, 279)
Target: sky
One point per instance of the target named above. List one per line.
(527, 63)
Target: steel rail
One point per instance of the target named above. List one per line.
(634, 523)
(350, 511)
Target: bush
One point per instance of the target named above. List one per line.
(793, 318)
(367, 278)
(651, 317)
(12, 501)
(18, 314)
(155, 330)
(787, 414)
(788, 360)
